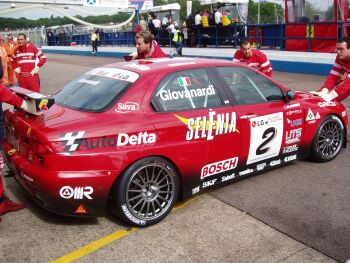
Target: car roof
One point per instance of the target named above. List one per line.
(143, 66)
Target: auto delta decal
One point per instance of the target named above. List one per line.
(209, 127)
(265, 137)
(73, 141)
(127, 107)
(186, 93)
(219, 167)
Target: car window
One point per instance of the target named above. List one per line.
(188, 89)
(249, 87)
(96, 90)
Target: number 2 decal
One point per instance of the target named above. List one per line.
(268, 136)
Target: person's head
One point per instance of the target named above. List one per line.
(142, 18)
(10, 38)
(143, 41)
(246, 48)
(21, 39)
(343, 48)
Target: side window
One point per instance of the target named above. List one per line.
(248, 87)
(188, 89)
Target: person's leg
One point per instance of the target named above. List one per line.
(11, 75)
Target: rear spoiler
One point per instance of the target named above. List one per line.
(42, 102)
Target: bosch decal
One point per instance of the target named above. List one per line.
(219, 167)
(68, 192)
(208, 127)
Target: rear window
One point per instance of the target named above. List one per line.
(96, 90)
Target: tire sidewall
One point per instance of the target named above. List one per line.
(119, 192)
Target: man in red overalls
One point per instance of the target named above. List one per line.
(253, 58)
(147, 47)
(26, 61)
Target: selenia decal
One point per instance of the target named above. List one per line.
(266, 134)
(208, 127)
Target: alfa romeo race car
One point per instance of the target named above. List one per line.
(135, 137)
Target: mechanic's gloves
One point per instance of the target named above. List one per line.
(8, 206)
(320, 93)
(330, 96)
(34, 71)
(29, 106)
(18, 70)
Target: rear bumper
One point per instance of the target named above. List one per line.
(72, 193)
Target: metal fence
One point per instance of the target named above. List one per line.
(271, 36)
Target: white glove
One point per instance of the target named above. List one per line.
(29, 106)
(330, 96)
(320, 93)
(35, 70)
(18, 70)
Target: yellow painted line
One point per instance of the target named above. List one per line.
(94, 246)
(107, 240)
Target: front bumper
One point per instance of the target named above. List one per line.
(72, 193)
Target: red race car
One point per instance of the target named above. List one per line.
(135, 137)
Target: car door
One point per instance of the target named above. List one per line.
(272, 126)
(198, 125)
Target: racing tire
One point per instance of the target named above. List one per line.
(328, 139)
(146, 192)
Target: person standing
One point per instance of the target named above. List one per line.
(10, 47)
(26, 61)
(94, 41)
(177, 39)
(337, 85)
(6, 95)
(143, 24)
(146, 47)
(3, 57)
(253, 58)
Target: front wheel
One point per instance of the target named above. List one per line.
(146, 192)
(328, 139)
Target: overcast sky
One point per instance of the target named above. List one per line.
(39, 13)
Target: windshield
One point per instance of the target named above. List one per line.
(96, 90)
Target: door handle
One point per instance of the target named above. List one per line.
(248, 116)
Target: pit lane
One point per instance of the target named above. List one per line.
(306, 202)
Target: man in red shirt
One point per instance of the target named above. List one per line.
(26, 61)
(337, 84)
(147, 47)
(6, 95)
(253, 58)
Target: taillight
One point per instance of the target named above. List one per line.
(36, 150)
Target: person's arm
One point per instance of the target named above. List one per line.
(14, 63)
(265, 65)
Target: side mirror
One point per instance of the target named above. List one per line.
(290, 95)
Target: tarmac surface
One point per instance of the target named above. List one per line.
(297, 213)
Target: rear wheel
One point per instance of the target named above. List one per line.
(146, 192)
(328, 139)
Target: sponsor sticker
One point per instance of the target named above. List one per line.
(291, 148)
(209, 183)
(311, 116)
(265, 137)
(293, 136)
(247, 171)
(127, 107)
(43, 104)
(290, 158)
(290, 106)
(219, 167)
(327, 104)
(136, 66)
(275, 162)
(228, 177)
(260, 166)
(294, 123)
(78, 192)
(292, 112)
(73, 141)
(115, 73)
(195, 190)
(209, 127)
